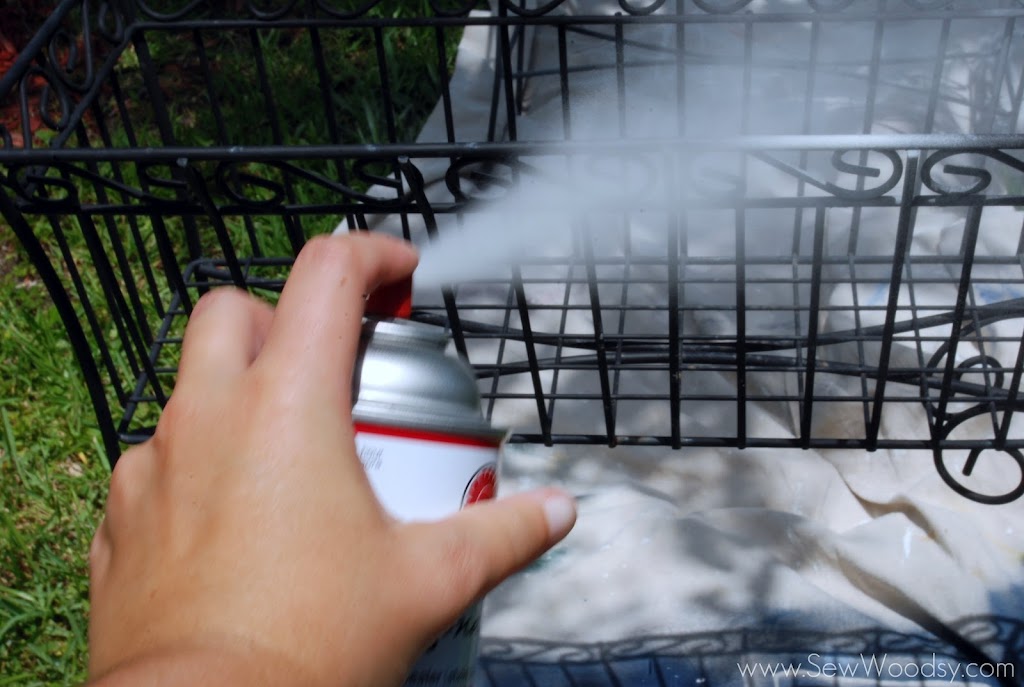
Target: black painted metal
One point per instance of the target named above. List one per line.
(155, 215)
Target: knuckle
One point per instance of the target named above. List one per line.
(212, 306)
(329, 252)
(124, 485)
(99, 549)
(178, 412)
(220, 297)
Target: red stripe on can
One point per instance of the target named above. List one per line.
(426, 435)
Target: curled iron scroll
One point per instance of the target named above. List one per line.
(235, 182)
(651, 7)
(452, 8)
(162, 176)
(961, 392)
(37, 185)
(330, 8)
(866, 171)
(839, 163)
(491, 177)
(110, 23)
(519, 8)
(53, 98)
(57, 184)
(927, 4)
(721, 6)
(709, 179)
(267, 187)
(982, 177)
(270, 9)
(829, 5)
(184, 8)
(65, 66)
(538, 651)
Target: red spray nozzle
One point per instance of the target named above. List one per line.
(392, 300)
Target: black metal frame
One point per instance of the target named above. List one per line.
(157, 223)
(719, 657)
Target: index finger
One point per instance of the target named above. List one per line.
(316, 326)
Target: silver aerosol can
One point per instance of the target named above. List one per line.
(427, 451)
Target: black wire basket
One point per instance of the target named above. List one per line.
(781, 252)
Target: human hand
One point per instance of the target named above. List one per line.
(242, 544)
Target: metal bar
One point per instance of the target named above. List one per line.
(901, 248)
(741, 328)
(505, 64)
(293, 227)
(807, 406)
(504, 20)
(940, 63)
(523, 308)
(563, 80)
(971, 225)
(136, 233)
(79, 343)
(327, 96)
(607, 402)
(266, 153)
(620, 78)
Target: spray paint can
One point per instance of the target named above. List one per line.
(427, 451)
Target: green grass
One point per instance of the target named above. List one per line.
(52, 477)
(52, 466)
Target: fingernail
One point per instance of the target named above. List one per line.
(560, 512)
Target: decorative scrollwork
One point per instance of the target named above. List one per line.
(735, 643)
(267, 187)
(539, 651)
(972, 458)
(988, 398)
(329, 9)
(184, 8)
(840, 164)
(829, 5)
(53, 102)
(235, 182)
(709, 178)
(270, 9)
(866, 171)
(55, 186)
(36, 185)
(452, 8)
(50, 82)
(110, 23)
(520, 9)
(981, 176)
(650, 8)
(721, 6)
(490, 177)
(928, 4)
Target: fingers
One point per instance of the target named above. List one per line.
(224, 335)
(315, 333)
(480, 546)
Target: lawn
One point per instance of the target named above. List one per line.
(53, 468)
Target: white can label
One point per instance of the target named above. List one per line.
(420, 475)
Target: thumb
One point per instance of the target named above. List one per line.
(472, 551)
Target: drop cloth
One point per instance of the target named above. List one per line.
(686, 563)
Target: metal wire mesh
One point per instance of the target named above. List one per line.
(821, 301)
